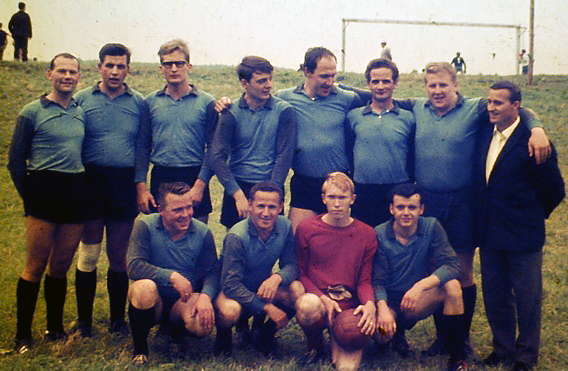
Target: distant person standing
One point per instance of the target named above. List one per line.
(385, 51)
(20, 27)
(3, 41)
(459, 63)
(524, 61)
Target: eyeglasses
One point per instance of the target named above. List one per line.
(170, 64)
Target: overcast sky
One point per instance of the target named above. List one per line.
(223, 31)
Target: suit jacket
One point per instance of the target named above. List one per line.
(520, 195)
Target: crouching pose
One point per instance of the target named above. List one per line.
(250, 250)
(405, 290)
(335, 255)
(173, 262)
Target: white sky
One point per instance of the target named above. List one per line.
(223, 31)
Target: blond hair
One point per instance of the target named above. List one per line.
(173, 45)
(339, 180)
(441, 67)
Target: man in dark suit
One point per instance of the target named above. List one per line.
(515, 196)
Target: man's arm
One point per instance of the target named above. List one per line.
(19, 152)
(386, 321)
(549, 184)
(206, 172)
(539, 144)
(139, 257)
(287, 261)
(364, 284)
(209, 263)
(413, 297)
(211, 126)
(142, 161)
(363, 94)
(234, 262)
(285, 145)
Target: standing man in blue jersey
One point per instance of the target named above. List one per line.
(255, 139)
(383, 149)
(46, 168)
(249, 286)
(323, 145)
(182, 121)
(514, 196)
(113, 113)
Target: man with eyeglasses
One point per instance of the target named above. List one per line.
(181, 126)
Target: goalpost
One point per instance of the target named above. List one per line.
(518, 32)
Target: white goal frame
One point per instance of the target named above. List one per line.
(519, 31)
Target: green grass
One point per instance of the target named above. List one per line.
(21, 83)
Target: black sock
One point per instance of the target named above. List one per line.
(455, 336)
(268, 329)
(141, 321)
(117, 285)
(54, 290)
(469, 298)
(258, 321)
(85, 288)
(26, 299)
(440, 327)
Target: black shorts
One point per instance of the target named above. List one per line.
(372, 203)
(455, 211)
(111, 193)
(306, 193)
(54, 196)
(229, 213)
(166, 174)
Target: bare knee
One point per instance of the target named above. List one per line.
(197, 329)
(228, 310)
(296, 290)
(453, 303)
(143, 294)
(309, 309)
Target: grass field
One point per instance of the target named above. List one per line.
(21, 83)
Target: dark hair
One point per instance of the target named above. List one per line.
(176, 188)
(381, 63)
(312, 57)
(514, 90)
(251, 64)
(21, 5)
(115, 50)
(267, 187)
(63, 55)
(407, 190)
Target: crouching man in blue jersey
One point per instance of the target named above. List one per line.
(173, 262)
